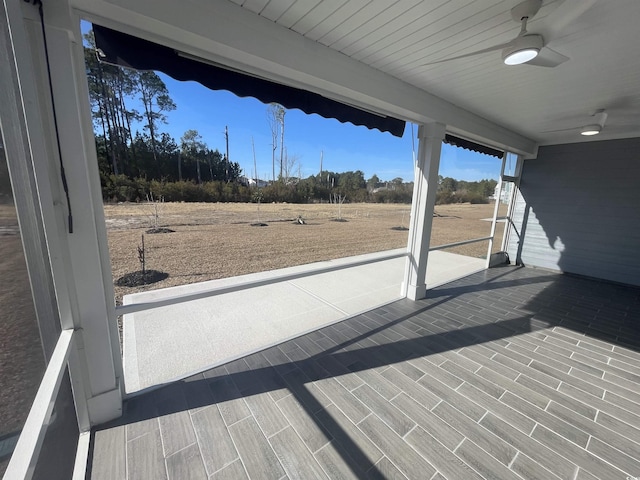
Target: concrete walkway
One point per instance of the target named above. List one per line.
(168, 343)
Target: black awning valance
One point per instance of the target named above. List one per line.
(128, 51)
(473, 146)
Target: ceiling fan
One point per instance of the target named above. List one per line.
(622, 119)
(595, 126)
(532, 48)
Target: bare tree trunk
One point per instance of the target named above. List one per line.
(226, 163)
(273, 164)
(152, 133)
(115, 112)
(110, 128)
(133, 148)
(104, 130)
(255, 168)
(125, 117)
(120, 110)
(282, 142)
(104, 111)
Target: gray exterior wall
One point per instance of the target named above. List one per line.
(578, 210)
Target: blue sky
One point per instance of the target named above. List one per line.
(344, 146)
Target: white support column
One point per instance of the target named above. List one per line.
(79, 260)
(424, 198)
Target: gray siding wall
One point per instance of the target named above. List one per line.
(578, 210)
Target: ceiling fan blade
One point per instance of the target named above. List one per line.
(560, 130)
(561, 17)
(548, 58)
(477, 52)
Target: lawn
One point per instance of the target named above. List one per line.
(217, 240)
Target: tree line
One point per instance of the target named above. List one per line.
(136, 164)
(121, 98)
(451, 190)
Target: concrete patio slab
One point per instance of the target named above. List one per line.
(164, 344)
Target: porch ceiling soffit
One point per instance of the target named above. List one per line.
(222, 32)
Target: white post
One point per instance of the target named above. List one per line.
(424, 198)
(495, 210)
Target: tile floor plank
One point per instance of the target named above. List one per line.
(596, 430)
(393, 417)
(256, 453)
(444, 432)
(493, 444)
(542, 453)
(304, 423)
(349, 439)
(470, 408)
(508, 414)
(575, 454)
(142, 416)
(266, 413)
(410, 462)
(411, 388)
(306, 391)
(531, 470)
(233, 471)
(353, 408)
(627, 463)
(213, 438)
(482, 462)
(385, 470)
(296, 459)
(230, 402)
(144, 457)
(552, 422)
(439, 456)
(177, 432)
(112, 461)
(187, 463)
(334, 465)
(598, 404)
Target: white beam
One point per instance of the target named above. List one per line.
(424, 199)
(223, 32)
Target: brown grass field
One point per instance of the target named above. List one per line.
(217, 240)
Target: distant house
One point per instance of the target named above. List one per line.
(252, 182)
(507, 187)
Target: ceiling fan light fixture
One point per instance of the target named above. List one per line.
(590, 130)
(522, 49)
(521, 56)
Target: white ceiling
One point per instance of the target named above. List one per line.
(399, 38)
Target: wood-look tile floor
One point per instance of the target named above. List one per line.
(510, 373)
